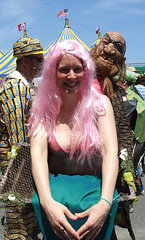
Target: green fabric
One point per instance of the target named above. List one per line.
(77, 193)
(139, 130)
(141, 68)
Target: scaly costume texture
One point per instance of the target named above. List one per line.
(125, 143)
(15, 101)
(109, 57)
(124, 132)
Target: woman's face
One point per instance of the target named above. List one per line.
(70, 73)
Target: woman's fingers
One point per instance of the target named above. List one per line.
(82, 215)
(67, 233)
(72, 234)
(69, 230)
(69, 214)
(57, 217)
(84, 230)
(59, 234)
(92, 235)
(65, 230)
(93, 224)
(89, 232)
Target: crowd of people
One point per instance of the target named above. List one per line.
(82, 139)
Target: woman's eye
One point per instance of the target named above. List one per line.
(78, 70)
(64, 70)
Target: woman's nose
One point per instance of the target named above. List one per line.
(71, 74)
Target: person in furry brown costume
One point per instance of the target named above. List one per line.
(109, 58)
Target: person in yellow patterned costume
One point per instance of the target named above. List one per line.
(16, 94)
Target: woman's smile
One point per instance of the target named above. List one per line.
(70, 73)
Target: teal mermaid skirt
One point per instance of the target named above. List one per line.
(77, 193)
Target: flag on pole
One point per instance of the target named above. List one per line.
(98, 29)
(22, 26)
(62, 13)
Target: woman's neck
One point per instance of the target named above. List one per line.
(68, 107)
(69, 101)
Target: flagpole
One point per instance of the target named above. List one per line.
(25, 33)
(99, 35)
(66, 23)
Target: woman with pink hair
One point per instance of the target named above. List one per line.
(73, 149)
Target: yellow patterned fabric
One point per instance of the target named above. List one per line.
(15, 101)
(27, 46)
(15, 98)
(20, 223)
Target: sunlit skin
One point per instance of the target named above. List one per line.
(70, 74)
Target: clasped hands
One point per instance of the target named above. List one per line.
(96, 216)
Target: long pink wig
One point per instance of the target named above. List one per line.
(91, 103)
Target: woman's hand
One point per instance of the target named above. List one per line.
(97, 215)
(56, 212)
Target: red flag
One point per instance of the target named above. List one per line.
(62, 13)
(22, 26)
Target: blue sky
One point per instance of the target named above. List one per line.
(124, 16)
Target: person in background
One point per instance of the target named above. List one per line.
(16, 95)
(135, 109)
(73, 149)
(139, 88)
(143, 79)
(109, 58)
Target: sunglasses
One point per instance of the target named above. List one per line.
(119, 46)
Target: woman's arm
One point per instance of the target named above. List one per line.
(40, 171)
(107, 129)
(55, 211)
(97, 213)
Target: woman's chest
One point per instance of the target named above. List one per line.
(63, 136)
